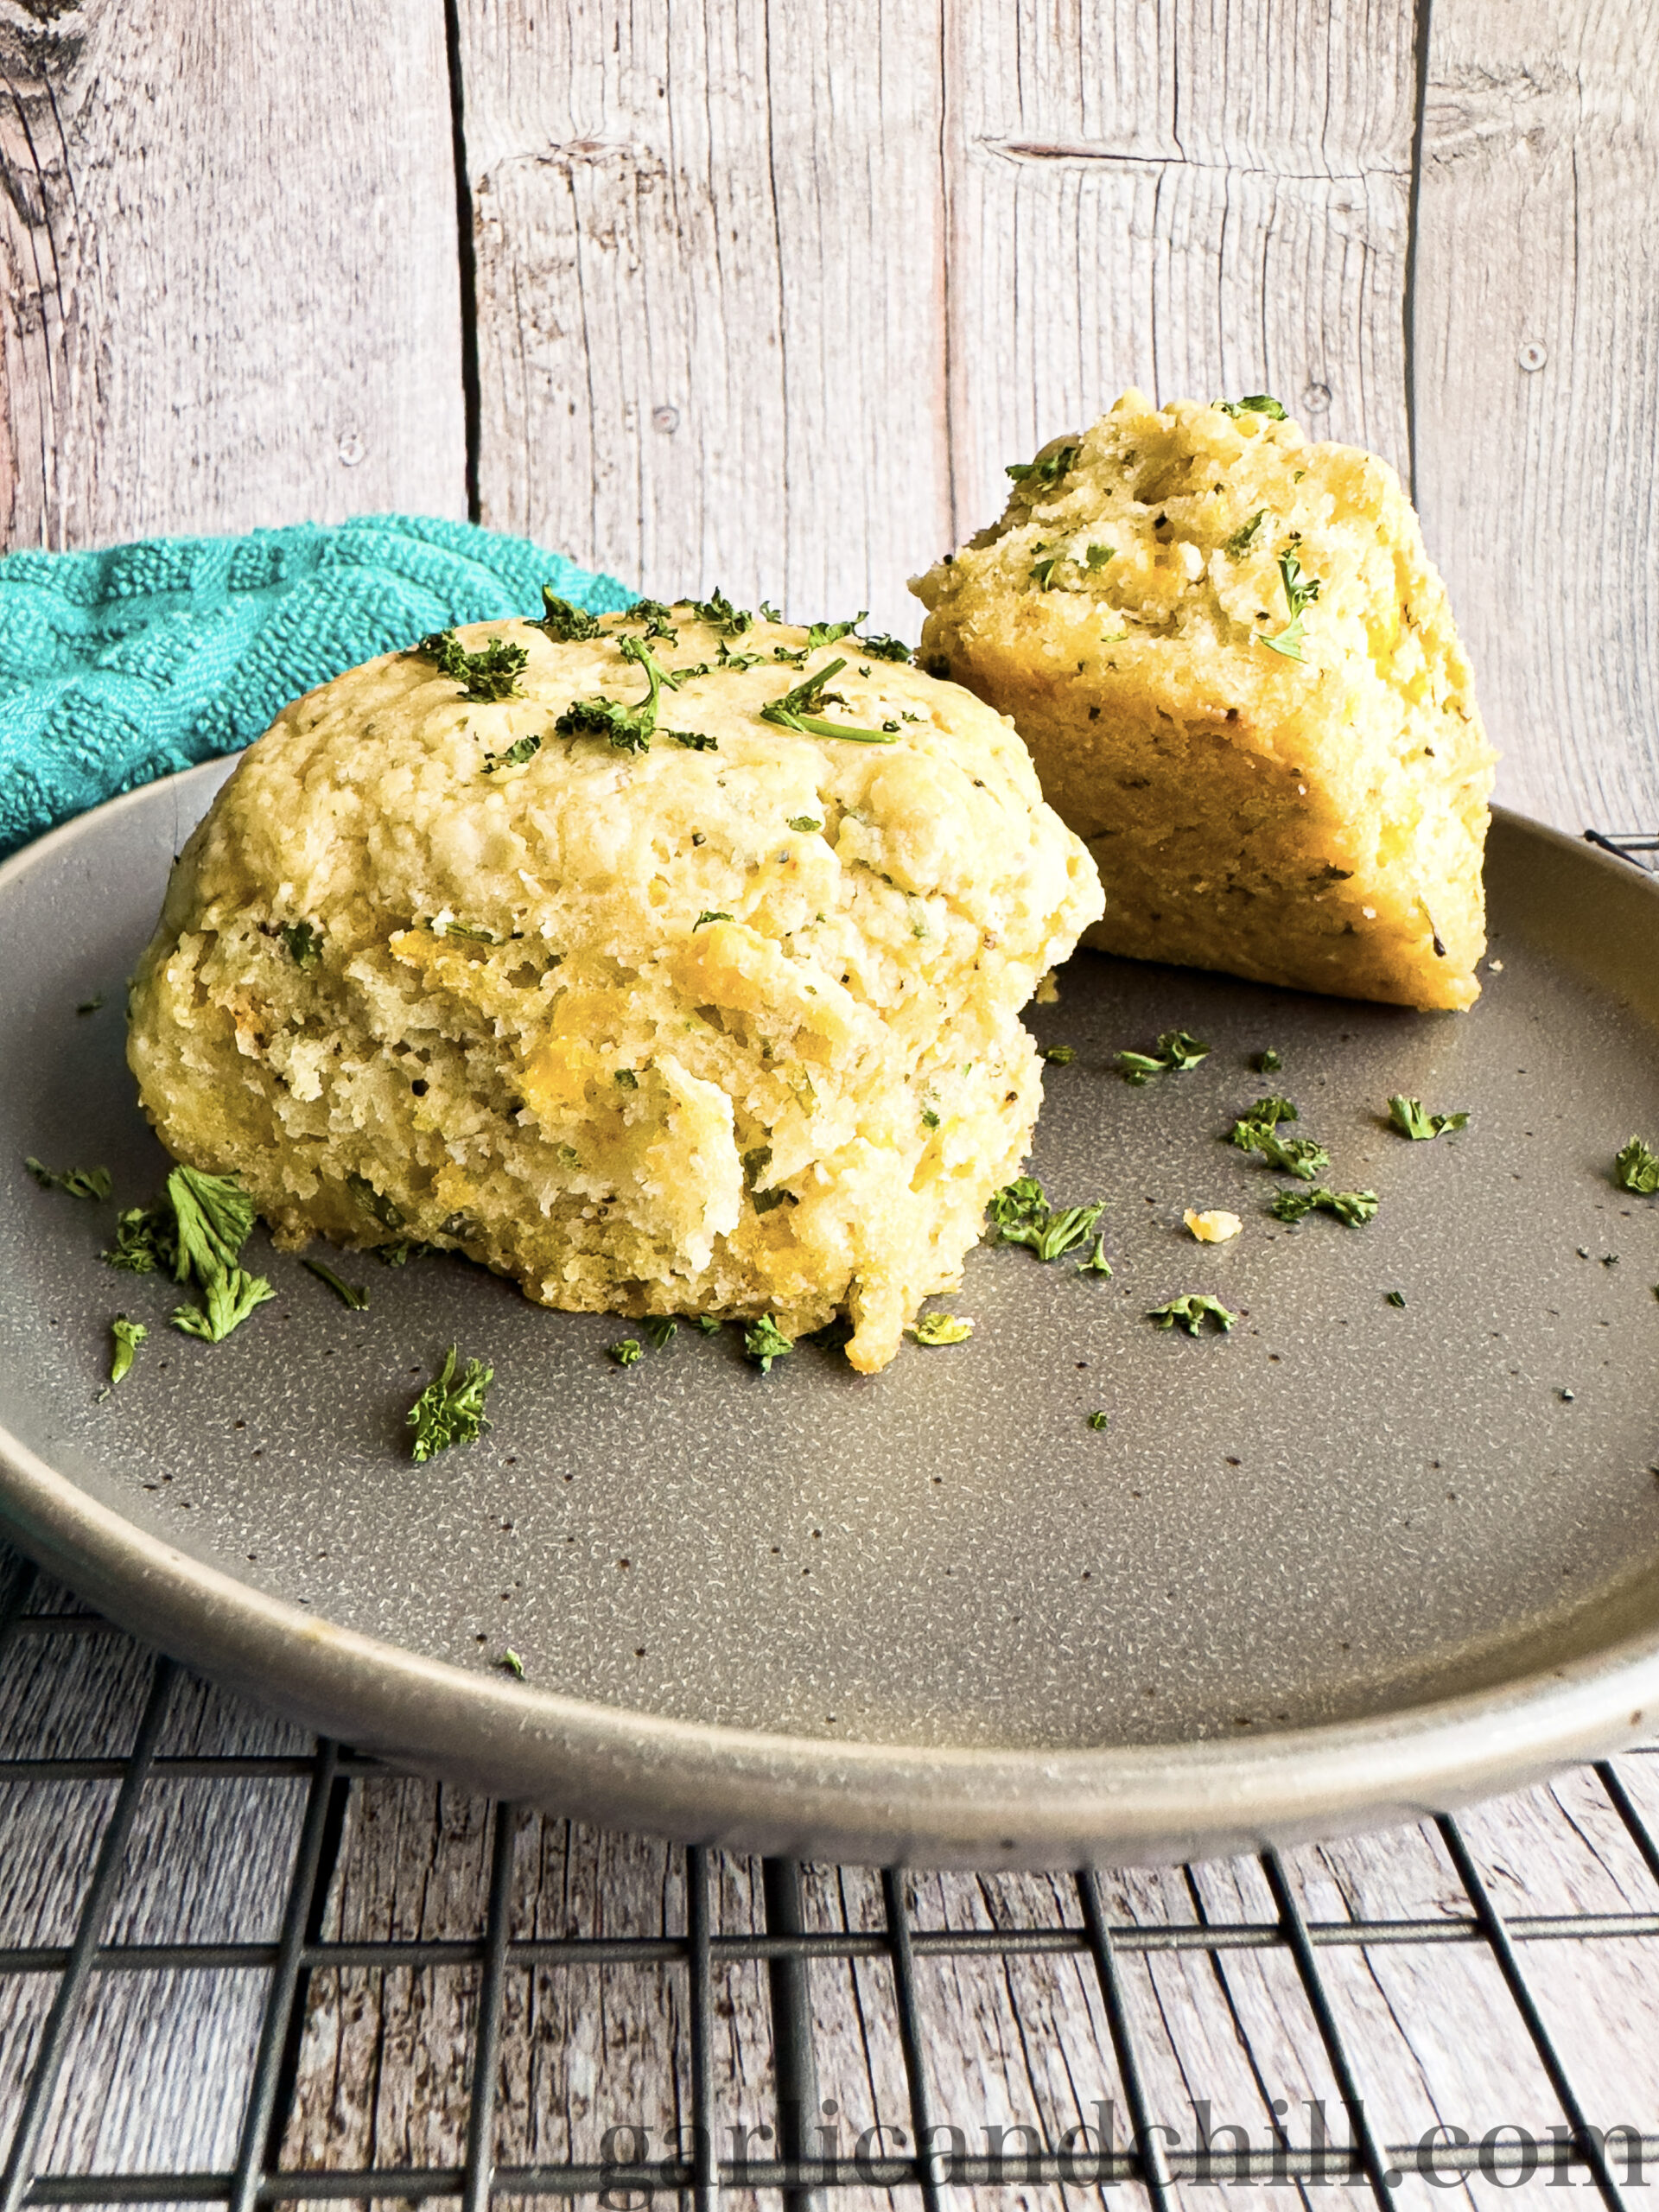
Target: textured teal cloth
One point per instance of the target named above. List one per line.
(122, 665)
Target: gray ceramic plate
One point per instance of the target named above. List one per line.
(1352, 1560)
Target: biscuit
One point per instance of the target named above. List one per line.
(722, 1022)
(1239, 676)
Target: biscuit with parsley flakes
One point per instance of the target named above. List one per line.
(669, 962)
(1239, 676)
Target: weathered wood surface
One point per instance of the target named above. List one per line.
(767, 297)
(1537, 375)
(158, 2064)
(1199, 199)
(228, 254)
(710, 277)
(743, 319)
(1018, 2043)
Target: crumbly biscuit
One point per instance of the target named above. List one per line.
(728, 1024)
(1283, 786)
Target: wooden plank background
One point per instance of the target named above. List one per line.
(765, 296)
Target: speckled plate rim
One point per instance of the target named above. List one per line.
(852, 1802)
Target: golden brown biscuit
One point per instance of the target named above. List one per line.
(726, 1021)
(1239, 676)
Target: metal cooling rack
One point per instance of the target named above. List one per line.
(37, 1616)
(1637, 847)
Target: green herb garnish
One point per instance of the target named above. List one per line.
(1258, 403)
(522, 749)
(74, 1182)
(626, 1352)
(1353, 1207)
(1395, 1297)
(128, 1336)
(1267, 1062)
(1238, 545)
(304, 943)
(1042, 572)
(707, 915)
(1266, 1113)
(1020, 1213)
(764, 1341)
(400, 1254)
(1065, 1230)
(797, 711)
(883, 648)
(1060, 1056)
(1176, 1050)
(1303, 1157)
(511, 1663)
(357, 1299)
(1042, 474)
(656, 618)
(755, 1164)
(1300, 592)
(386, 1211)
(637, 650)
(694, 741)
(212, 1219)
(144, 1243)
(1299, 1156)
(805, 822)
(231, 1294)
(490, 675)
(826, 633)
(1098, 556)
(469, 933)
(719, 615)
(930, 1118)
(607, 718)
(1097, 1263)
(565, 624)
(625, 1079)
(1637, 1169)
(941, 1329)
(662, 1329)
(1099, 1420)
(1189, 1312)
(710, 1324)
(628, 729)
(450, 1412)
(1409, 1117)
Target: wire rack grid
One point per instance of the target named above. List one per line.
(258, 2073)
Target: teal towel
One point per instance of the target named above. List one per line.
(125, 665)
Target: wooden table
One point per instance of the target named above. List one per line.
(766, 297)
